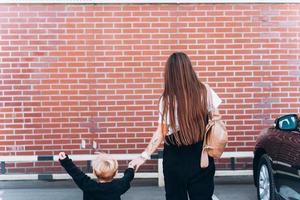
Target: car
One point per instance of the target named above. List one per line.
(276, 163)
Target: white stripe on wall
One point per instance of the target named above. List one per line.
(14, 177)
(241, 154)
(73, 157)
(17, 177)
(234, 173)
(18, 158)
(10, 177)
(149, 1)
(119, 175)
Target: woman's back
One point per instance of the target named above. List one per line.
(183, 105)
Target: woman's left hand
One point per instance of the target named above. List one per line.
(137, 162)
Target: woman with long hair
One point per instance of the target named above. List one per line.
(183, 115)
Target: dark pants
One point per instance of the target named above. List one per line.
(183, 175)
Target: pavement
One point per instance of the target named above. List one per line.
(225, 189)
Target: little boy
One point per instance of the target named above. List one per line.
(104, 168)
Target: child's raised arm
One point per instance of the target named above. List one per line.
(83, 181)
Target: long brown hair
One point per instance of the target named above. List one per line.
(182, 88)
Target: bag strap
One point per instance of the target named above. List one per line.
(210, 101)
(212, 118)
(210, 121)
(204, 162)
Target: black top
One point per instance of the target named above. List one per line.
(93, 190)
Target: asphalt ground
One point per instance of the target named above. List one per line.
(228, 188)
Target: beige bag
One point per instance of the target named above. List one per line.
(215, 137)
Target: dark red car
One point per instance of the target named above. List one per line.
(276, 164)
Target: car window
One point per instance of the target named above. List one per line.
(287, 123)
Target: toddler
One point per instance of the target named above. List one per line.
(105, 169)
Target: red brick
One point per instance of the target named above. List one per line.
(108, 61)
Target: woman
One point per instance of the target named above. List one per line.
(183, 115)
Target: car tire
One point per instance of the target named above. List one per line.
(265, 180)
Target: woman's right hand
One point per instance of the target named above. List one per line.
(137, 162)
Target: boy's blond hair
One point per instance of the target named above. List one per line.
(105, 167)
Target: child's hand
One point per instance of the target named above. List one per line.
(62, 155)
(137, 162)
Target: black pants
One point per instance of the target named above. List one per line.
(183, 175)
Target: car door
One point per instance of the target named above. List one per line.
(288, 166)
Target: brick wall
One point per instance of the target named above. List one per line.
(81, 78)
